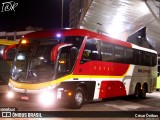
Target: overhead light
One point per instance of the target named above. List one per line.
(67, 28)
(58, 35)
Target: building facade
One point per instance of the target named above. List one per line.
(77, 9)
(17, 35)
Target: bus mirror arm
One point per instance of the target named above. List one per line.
(54, 53)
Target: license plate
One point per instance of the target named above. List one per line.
(24, 98)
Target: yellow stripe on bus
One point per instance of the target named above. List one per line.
(37, 86)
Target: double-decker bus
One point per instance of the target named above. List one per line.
(77, 65)
(5, 66)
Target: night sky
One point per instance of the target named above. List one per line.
(36, 13)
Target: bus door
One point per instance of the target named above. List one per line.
(91, 60)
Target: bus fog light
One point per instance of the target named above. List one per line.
(69, 93)
(10, 94)
(47, 98)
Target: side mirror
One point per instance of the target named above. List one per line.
(74, 52)
(9, 52)
(55, 50)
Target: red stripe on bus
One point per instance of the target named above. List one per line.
(101, 68)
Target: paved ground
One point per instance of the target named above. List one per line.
(151, 103)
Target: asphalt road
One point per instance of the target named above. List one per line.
(151, 103)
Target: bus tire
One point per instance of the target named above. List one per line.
(137, 93)
(143, 93)
(78, 98)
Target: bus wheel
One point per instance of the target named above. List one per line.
(143, 93)
(137, 92)
(78, 98)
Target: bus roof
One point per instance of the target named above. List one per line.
(143, 49)
(83, 33)
(75, 32)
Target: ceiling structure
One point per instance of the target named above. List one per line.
(121, 18)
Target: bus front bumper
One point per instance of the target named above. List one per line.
(45, 98)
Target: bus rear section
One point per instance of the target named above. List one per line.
(77, 65)
(158, 76)
(118, 69)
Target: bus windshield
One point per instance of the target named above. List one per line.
(32, 63)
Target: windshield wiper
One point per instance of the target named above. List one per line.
(35, 45)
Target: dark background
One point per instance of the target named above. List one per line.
(45, 14)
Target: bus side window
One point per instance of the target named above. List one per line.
(64, 63)
(142, 58)
(91, 51)
(86, 56)
(129, 56)
(119, 54)
(136, 56)
(107, 52)
(154, 59)
(148, 59)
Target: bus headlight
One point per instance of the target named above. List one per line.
(10, 94)
(47, 98)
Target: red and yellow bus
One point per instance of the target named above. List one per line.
(77, 65)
